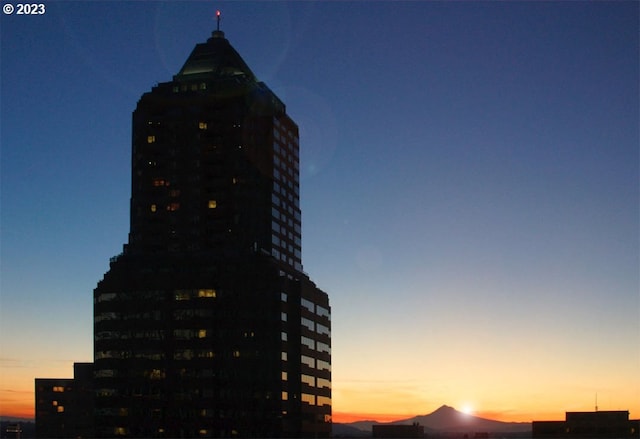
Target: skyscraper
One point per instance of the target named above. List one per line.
(205, 325)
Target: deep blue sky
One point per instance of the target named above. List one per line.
(470, 182)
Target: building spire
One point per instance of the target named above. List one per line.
(217, 33)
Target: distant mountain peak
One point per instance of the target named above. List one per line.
(446, 419)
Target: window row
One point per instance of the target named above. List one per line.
(125, 335)
(189, 334)
(190, 87)
(284, 258)
(171, 207)
(315, 345)
(316, 309)
(195, 294)
(178, 295)
(148, 355)
(315, 363)
(316, 327)
(147, 315)
(315, 400)
(315, 381)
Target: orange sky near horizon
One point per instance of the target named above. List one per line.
(20, 404)
(17, 400)
(503, 395)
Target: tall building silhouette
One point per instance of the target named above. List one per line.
(206, 325)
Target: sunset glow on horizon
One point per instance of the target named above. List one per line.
(469, 188)
(467, 409)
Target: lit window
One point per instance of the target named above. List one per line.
(60, 409)
(309, 399)
(285, 376)
(158, 182)
(202, 333)
(153, 208)
(308, 380)
(285, 396)
(151, 139)
(203, 86)
(54, 403)
(323, 365)
(173, 207)
(58, 388)
(213, 204)
(236, 354)
(202, 125)
(283, 356)
(283, 336)
(207, 293)
(311, 362)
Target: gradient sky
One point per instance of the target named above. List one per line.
(469, 189)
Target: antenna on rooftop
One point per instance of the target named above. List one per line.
(218, 20)
(596, 401)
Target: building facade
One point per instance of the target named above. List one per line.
(598, 424)
(397, 431)
(64, 406)
(206, 325)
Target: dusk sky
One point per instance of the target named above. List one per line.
(469, 189)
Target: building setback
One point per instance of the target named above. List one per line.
(206, 325)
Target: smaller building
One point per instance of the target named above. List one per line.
(13, 431)
(398, 431)
(599, 424)
(64, 406)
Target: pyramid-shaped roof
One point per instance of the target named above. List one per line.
(218, 60)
